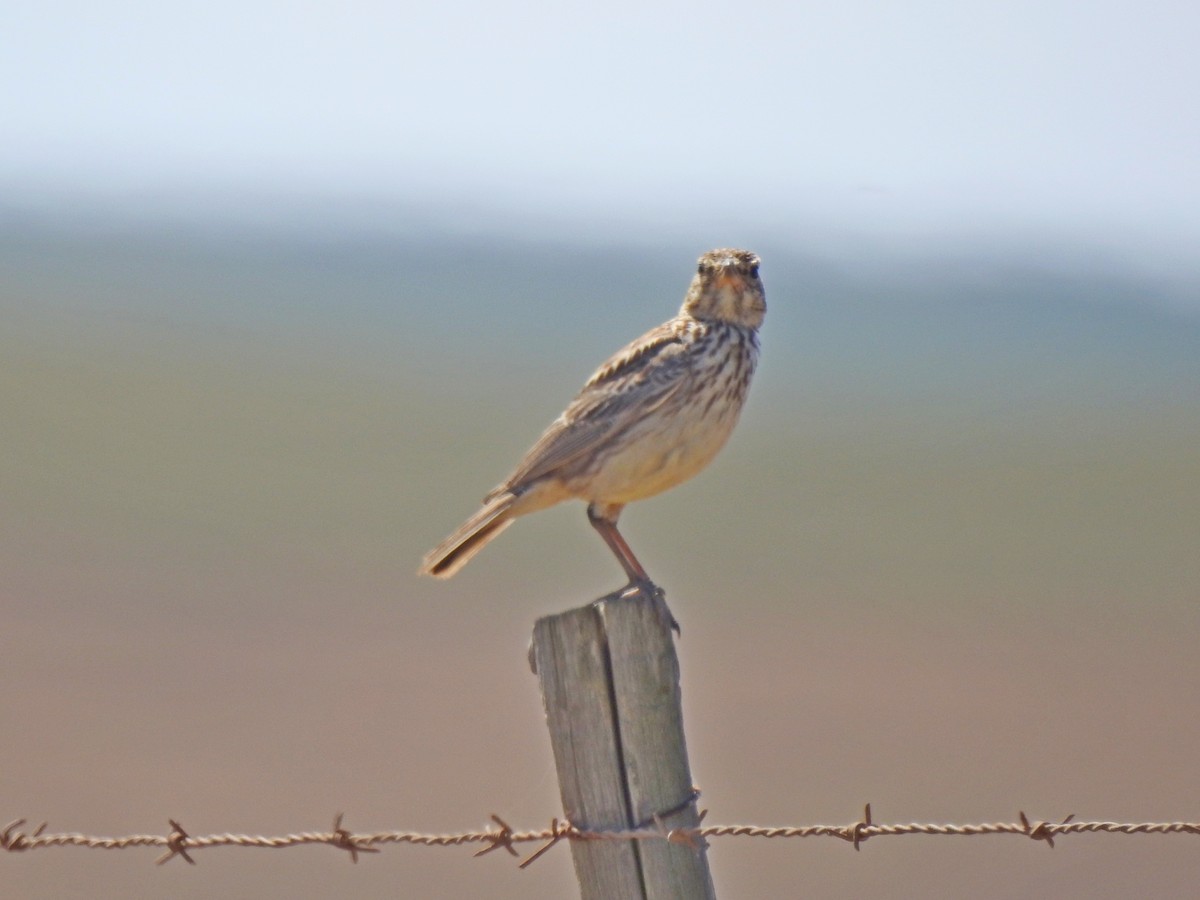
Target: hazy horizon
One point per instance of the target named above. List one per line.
(810, 122)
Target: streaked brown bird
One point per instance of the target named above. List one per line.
(652, 416)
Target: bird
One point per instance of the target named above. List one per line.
(652, 416)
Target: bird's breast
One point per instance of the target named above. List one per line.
(678, 438)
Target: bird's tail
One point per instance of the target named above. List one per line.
(469, 538)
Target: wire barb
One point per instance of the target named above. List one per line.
(1042, 831)
(687, 836)
(858, 830)
(11, 839)
(557, 833)
(344, 840)
(176, 844)
(503, 838)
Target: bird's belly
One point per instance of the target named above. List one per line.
(657, 459)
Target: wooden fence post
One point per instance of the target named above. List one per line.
(610, 683)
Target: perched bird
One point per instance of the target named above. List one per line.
(652, 416)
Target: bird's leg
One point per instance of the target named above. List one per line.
(604, 520)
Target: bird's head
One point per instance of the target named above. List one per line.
(727, 288)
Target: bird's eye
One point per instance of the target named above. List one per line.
(754, 270)
(700, 269)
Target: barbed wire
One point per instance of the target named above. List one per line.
(502, 836)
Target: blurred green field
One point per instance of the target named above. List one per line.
(948, 563)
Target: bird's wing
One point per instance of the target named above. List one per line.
(632, 383)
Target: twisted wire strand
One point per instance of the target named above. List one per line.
(178, 842)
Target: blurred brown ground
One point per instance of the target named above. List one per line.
(950, 605)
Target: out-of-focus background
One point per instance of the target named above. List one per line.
(285, 289)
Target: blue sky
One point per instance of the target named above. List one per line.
(900, 118)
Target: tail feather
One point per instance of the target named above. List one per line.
(469, 538)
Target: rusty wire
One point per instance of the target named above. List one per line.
(178, 842)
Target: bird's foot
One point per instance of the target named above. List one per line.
(652, 592)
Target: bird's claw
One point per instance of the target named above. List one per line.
(649, 591)
(655, 595)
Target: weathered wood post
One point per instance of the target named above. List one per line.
(610, 684)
